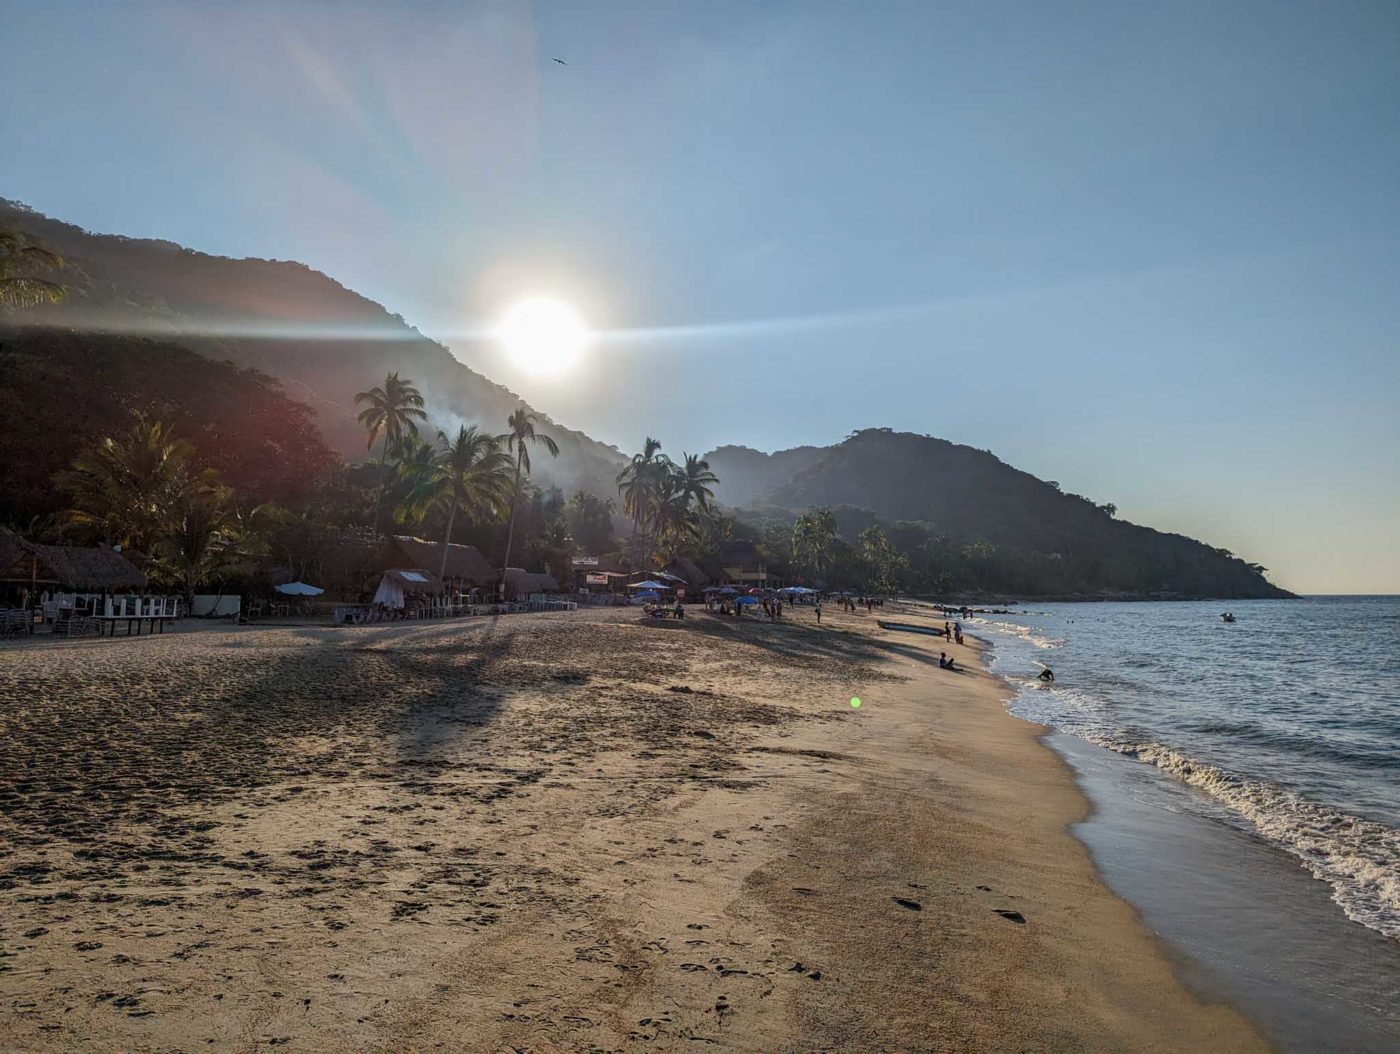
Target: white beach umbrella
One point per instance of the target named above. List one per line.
(299, 589)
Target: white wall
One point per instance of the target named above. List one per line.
(211, 604)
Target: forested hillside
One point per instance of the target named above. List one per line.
(257, 363)
(746, 475)
(962, 519)
(64, 391)
(321, 340)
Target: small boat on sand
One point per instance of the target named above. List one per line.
(905, 627)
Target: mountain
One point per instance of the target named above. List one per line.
(61, 391)
(977, 517)
(746, 474)
(959, 518)
(321, 340)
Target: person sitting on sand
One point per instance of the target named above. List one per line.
(942, 660)
(950, 666)
(1047, 675)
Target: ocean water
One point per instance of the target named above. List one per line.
(1286, 723)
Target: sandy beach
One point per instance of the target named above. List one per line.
(553, 833)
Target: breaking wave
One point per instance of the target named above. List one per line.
(1016, 630)
(1359, 858)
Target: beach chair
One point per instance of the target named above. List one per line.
(13, 622)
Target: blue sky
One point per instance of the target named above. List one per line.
(1148, 250)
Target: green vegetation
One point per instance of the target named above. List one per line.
(143, 491)
(20, 257)
(391, 411)
(324, 342)
(518, 437)
(670, 506)
(468, 474)
(208, 476)
(813, 538)
(951, 520)
(590, 521)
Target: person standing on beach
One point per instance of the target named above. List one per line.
(948, 631)
(819, 612)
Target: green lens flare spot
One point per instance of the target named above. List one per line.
(855, 701)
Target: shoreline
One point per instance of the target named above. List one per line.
(1115, 984)
(1246, 918)
(554, 832)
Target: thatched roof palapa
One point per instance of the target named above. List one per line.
(68, 567)
(418, 581)
(523, 582)
(463, 561)
(696, 577)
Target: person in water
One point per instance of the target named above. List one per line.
(1047, 675)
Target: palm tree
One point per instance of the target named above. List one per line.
(522, 433)
(672, 523)
(197, 540)
(124, 487)
(415, 461)
(471, 474)
(812, 536)
(695, 479)
(390, 411)
(641, 482)
(20, 253)
(590, 521)
(207, 539)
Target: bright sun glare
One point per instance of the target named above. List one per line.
(543, 335)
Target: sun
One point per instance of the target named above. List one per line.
(543, 335)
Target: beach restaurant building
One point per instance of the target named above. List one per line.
(79, 590)
(743, 565)
(28, 569)
(591, 575)
(466, 568)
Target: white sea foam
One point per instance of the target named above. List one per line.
(1358, 858)
(1024, 632)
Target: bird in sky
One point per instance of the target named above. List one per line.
(561, 62)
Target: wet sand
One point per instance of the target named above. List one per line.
(552, 833)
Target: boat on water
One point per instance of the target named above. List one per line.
(905, 627)
(1227, 617)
